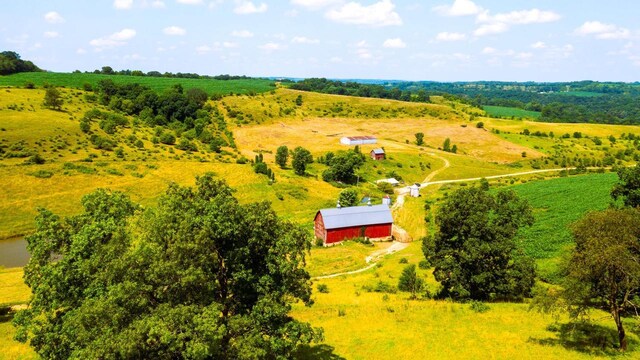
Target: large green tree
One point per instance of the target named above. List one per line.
(474, 253)
(604, 268)
(53, 98)
(282, 155)
(343, 166)
(300, 159)
(200, 276)
(628, 186)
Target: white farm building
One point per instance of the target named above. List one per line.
(358, 140)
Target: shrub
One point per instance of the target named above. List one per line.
(323, 288)
(167, 138)
(424, 264)
(404, 261)
(42, 174)
(479, 306)
(36, 159)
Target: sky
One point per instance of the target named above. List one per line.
(439, 40)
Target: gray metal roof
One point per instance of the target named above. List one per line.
(336, 218)
(378, 151)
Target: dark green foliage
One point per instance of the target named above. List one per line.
(348, 197)
(628, 186)
(342, 167)
(10, 63)
(282, 155)
(300, 158)
(42, 174)
(357, 89)
(199, 276)
(424, 264)
(403, 261)
(419, 138)
(186, 145)
(260, 168)
(479, 306)
(36, 159)
(167, 138)
(299, 100)
(102, 143)
(410, 282)
(480, 125)
(85, 126)
(474, 253)
(446, 146)
(323, 288)
(53, 98)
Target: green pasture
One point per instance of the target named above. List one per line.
(508, 112)
(77, 80)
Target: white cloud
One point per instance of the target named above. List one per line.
(242, 33)
(539, 45)
(523, 55)
(490, 29)
(244, 7)
(53, 17)
(396, 43)
(229, 44)
(190, 2)
(51, 34)
(362, 43)
(447, 36)
(158, 4)
(116, 39)
(379, 14)
(603, 31)
(314, 4)
(81, 51)
(499, 23)
(488, 50)
(523, 17)
(174, 31)
(304, 40)
(122, 4)
(364, 53)
(203, 49)
(272, 46)
(458, 8)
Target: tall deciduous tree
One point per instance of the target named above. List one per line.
(604, 268)
(200, 276)
(300, 159)
(282, 155)
(474, 253)
(628, 186)
(419, 138)
(348, 197)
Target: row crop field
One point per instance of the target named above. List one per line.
(507, 112)
(77, 80)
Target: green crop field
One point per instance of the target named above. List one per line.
(581, 93)
(507, 112)
(77, 80)
(558, 203)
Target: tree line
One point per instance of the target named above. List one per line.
(108, 70)
(10, 63)
(325, 86)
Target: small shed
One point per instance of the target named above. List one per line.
(358, 140)
(386, 200)
(337, 224)
(377, 154)
(414, 190)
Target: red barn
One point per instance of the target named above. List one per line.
(377, 154)
(338, 224)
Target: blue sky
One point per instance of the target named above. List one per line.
(442, 40)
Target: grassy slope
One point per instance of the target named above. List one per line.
(159, 84)
(388, 326)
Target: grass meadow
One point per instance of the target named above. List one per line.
(77, 80)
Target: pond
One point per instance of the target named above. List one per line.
(13, 253)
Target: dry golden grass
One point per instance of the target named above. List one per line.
(12, 288)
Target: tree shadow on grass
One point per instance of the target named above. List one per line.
(6, 314)
(317, 352)
(587, 338)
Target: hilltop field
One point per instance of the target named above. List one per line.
(48, 160)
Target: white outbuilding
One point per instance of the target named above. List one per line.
(414, 190)
(358, 140)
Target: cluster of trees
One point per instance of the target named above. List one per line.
(199, 276)
(185, 112)
(108, 70)
(10, 63)
(260, 167)
(325, 86)
(343, 165)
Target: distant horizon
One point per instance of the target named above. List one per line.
(439, 40)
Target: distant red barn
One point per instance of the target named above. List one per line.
(338, 224)
(377, 154)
